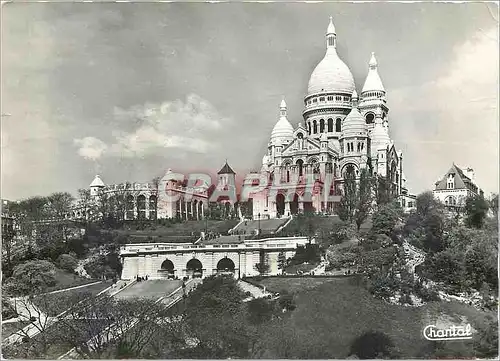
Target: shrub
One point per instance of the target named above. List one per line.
(67, 262)
(373, 345)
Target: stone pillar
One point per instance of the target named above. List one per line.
(202, 210)
(185, 209)
(287, 209)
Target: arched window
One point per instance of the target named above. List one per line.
(322, 126)
(309, 128)
(300, 164)
(338, 125)
(315, 127)
(369, 118)
(330, 125)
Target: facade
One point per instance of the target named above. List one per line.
(341, 132)
(170, 197)
(168, 260)
(455, 186)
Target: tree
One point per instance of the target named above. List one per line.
(386, 218)
(363, 198)
(217, 319)
(59, 204)
(373, 345)
(67, 262)
(476, 209)
(347, 205)
(494, 205)
(32, 277)
(427, 224)
(8, 234)
(382, 190)
(281, 261)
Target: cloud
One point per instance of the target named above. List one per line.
(190, 126)
(455, 117)
(90, 147)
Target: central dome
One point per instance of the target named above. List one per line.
(331, 74)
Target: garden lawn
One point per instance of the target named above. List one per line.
(67, 280)
(54, 311)
(300, 267)
(182, 229)
(331, 314)
(293, 285)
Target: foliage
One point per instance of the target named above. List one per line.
(386, 218)
(309, 253)
(348, 198)
(263, 266)
(363, 198)
(104, 266)
(216, 318)
(281, 261)
(382, 190)
(67, 262)
(486, 342)
(493, 205)
(427, 223)
(476, 209)
(260, 310)
(31, 277)
(373, 345)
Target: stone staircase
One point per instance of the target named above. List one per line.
(266, 226)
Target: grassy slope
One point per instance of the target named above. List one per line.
(185, 229)
(330, 314)
(66, 280)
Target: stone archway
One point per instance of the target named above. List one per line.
(167, 269)
(226, 265)
(194, 268)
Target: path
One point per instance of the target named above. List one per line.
(256, 292)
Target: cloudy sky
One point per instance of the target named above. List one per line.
(129, 90)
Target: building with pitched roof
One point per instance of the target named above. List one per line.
(455, 186)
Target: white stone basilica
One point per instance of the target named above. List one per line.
(342, 132)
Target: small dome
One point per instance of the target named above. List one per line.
(373, 81)
(283, 103)
(331, 75)
(97, 182)
(354, 124)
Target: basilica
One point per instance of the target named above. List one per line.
(304, 166)
(341, 132)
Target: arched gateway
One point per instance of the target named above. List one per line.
(194, 269)
(167, 269)
(226, 265)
